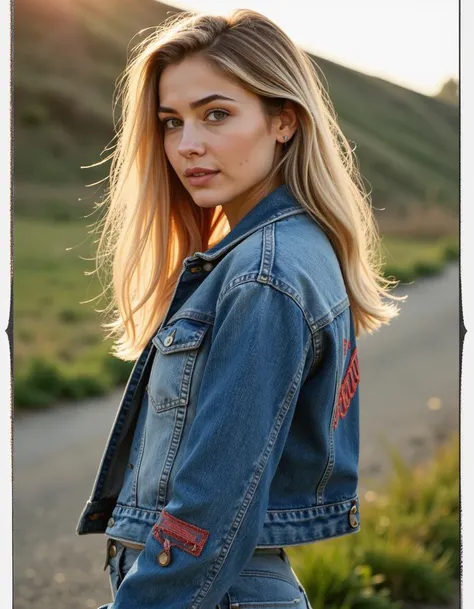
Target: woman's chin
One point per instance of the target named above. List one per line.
(207, 197)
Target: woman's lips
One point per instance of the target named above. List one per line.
(201, 180)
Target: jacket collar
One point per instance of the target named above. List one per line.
(276, 205)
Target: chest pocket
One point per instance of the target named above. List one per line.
(177, 348)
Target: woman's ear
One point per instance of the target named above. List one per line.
(288, 121)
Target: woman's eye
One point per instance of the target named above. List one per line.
(223, 114)
(218, 112)
(165, 122)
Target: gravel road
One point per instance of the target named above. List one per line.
(409, 399)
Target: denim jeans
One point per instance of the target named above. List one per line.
(267, 582)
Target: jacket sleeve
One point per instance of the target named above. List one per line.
(260, 352)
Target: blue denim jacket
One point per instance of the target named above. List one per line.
(239, 425)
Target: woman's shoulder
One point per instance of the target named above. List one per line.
(305, 259)
(294, 256)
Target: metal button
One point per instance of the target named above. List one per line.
(168, 341)
(352, 517)
(110, 522)
(112, 550)
(164, 558)
(207, 266)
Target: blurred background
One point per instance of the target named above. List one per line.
(391, 70)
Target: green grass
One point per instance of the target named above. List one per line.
(59, 350)
(406, 259)
(408, 547)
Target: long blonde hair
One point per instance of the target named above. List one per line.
(151, 223)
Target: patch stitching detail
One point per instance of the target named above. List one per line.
(189, 537)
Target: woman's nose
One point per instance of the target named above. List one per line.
(190, 142)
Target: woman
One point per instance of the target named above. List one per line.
(244, 269)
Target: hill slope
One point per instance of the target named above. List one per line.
(69, 55)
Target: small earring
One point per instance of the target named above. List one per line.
(285, 137)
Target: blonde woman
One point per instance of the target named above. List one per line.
(244, 261)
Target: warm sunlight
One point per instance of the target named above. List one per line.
(414, 44)
(206, 216)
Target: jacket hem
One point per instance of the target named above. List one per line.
(281, 528)
(299, 526)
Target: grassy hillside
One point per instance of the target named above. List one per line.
(69, 55)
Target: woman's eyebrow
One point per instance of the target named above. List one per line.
(199, 102)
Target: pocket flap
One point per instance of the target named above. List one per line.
(182, 335)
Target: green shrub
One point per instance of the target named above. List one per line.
(117, 369)
(82, 384)
(42, 383)
(408, 548)
(399, 273)
(334, 577)
(27, 396)
(451, 252)
(44, 379)
(69, 316)
(411, 572)
(425, 267)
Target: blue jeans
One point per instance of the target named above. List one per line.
(267, 582)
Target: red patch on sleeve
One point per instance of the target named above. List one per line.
(348, 388)
(186, 536)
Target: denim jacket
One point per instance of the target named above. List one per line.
(239, 425)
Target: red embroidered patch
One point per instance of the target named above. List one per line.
(348, 388)
(186, 536)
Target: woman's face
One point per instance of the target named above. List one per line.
(230, 136)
